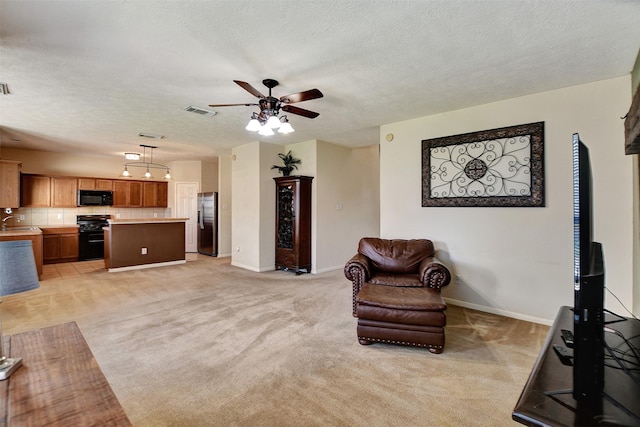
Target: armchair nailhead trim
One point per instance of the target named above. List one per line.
(401, 342)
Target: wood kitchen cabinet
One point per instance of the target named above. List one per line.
(293, 223)
(39, 191)
(127, 194)
(95, 184)
(9, 184)
(35, 191)
(64, 192)
(59, 244)
(155, 194)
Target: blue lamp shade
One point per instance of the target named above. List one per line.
(18, 272)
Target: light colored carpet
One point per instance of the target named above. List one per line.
(208, 344)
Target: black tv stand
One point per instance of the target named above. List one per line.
(547, 400)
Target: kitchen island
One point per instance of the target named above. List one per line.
(142, 243)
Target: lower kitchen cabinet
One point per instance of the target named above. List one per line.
(59, 244)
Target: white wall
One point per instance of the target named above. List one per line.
(518, 261)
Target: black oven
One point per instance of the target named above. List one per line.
(91, 236)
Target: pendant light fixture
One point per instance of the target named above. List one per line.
(144, 163)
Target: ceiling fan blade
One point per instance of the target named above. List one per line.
(300, 111)
(301, 96)
(231, 105)
(252, 90)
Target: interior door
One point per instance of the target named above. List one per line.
(187, 207)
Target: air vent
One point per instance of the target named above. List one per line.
(150, 135)
(198, 110)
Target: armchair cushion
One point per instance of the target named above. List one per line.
(395, 256)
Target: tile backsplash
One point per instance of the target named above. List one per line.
(67, 216)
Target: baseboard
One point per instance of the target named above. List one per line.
(499, 312)
(151, 265)
(327, 269)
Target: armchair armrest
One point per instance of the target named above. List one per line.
(358, 270)
(434, 274)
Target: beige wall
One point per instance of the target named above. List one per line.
(345, 177)
(635, 84)
(209, 179)
(519, 261)
(224, 206)
(347, 202)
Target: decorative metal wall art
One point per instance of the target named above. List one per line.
(496, 167)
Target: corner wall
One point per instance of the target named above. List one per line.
(519, 261)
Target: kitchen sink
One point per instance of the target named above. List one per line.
(20, 228)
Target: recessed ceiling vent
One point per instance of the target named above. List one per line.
(150, 135)
(198, 110)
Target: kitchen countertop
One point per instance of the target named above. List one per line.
(144, 220)
(20, 231)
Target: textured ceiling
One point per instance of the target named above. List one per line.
(88, 76)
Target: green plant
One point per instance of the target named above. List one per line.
(289, 163)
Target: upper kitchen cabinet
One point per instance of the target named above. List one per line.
(43, 191)
(127, 194)
(35, 191)
(155, 194)
(64, 192)
(95, 184)
(9, 184)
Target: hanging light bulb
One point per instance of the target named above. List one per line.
(273, 122)
(285, 126)
(147, 174)
(254, 124)
(167, 175)
(266, 130)
(125, 172)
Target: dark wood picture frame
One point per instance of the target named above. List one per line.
(501, 167)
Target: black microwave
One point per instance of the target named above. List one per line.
(95, 198)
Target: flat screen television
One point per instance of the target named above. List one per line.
(588, 310)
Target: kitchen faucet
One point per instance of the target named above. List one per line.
(4, 223)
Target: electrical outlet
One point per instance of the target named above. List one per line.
(155, 215)
(238, 249)
(143, 251)
(21, 217)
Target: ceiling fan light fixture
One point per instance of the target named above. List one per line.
(253, 125)
(285, 126)
(266, 131)
(273, 122)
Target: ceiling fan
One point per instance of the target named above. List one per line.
(270, 107)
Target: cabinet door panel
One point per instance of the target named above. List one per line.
(104, 184)
(135, 194)
(9, 184)
(35, 191)
(64, 192)
(50, 247)
(69, 246)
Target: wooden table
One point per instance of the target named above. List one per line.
(58, 384)
(537, 408)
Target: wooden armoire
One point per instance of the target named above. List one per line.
(293, 223)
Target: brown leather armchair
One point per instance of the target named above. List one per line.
(396, 292)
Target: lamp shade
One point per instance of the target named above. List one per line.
(19, 272)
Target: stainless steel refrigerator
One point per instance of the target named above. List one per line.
(208, 223)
